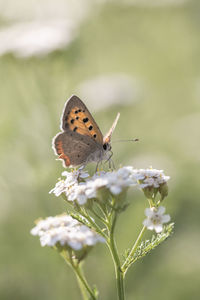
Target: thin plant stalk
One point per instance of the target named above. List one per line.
(131, 253)
(116, 260)
(83, 284)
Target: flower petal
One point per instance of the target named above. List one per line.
(161, 210)
(149, 212)
(158, 228)
(165, 218)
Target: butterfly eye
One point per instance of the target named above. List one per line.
(105, 146)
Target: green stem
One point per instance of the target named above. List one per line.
(83, 284)
(82, 288)
(150, 202)
(116, 260)
(93, 224)
(99, 217)
(131, 253)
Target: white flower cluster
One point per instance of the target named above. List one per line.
(65, 230)
(115, 182)
(155, 218)
(150, 177)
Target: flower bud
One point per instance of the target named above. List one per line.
(163, 190)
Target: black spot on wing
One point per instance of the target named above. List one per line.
(75, 128)
(85, 120)
(90, 128)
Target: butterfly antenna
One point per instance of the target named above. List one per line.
(131, 140)
(107, 137)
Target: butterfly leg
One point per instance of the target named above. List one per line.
(110, 161)
(97, 166)
(112, 165)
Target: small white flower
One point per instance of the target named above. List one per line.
(64, 186)
(150, 177)
(59, 188)
(155, 218)
(120, 179)
(65, 230)
(76, 174)
(96, 183)
(78, 192)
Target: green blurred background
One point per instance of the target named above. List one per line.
(141, 58)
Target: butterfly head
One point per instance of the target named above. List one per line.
(107, 147)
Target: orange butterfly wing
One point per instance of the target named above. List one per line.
(77, 118)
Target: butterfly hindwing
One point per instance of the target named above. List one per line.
(72, 148)
(77, 118)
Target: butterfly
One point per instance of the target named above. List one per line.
(81, 140)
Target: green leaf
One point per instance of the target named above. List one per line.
(146, 246)
(81, 219)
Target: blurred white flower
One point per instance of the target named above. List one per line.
(52, 222)
(36, 38)
(155, 218)
(65, 230)
(41, 26)
(150, 177)
(107, 90)
(45, 9)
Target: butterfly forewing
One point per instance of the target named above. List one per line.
(77, 118)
